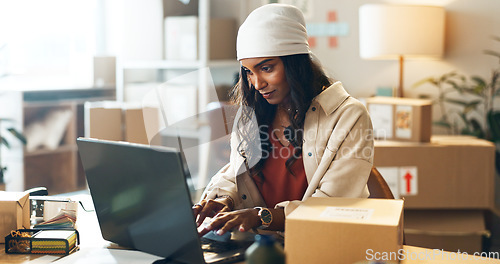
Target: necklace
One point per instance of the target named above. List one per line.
(281, 124)
(285, 112)
(288, 109)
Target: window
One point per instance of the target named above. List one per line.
(47, 44)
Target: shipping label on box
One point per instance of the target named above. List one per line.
(402, 181)
(343, 230)
(382, 120)
(404, 124)
(402, 119)
(14, 212)
(448, 172)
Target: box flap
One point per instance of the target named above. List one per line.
(13, 196)
(384, 212)
(24, 204)
(437, 141)
(23, 201)
(439, 222)
(461, 141)
(400, 144)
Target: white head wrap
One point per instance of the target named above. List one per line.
(272, 30)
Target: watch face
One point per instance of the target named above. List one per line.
(266, 216)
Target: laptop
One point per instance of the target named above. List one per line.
(142, 201)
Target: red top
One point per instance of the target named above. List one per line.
(279, 184)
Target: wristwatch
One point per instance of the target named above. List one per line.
(266, 217)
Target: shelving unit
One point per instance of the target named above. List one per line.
(58, 168)
(161, 66)
(204, 96)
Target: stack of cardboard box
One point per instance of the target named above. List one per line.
(447, 185)
(447, 181)
(120, 121)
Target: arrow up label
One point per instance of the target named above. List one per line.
(408, 179)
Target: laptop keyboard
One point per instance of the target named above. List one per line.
(209, 245)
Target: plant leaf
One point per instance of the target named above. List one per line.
(18, 135)
(477, 130)
(466, 131)
(448, 76)
(479, 89)
(464, 119)
(5, 142)
(442, 124)
(424, 81)
(478, 80)
(463, 103)
(497, 38)
(475, 102)
(2, 170)
(448, 90)
(452, 83)
(492, 53)
(469, 108)
(493, 119)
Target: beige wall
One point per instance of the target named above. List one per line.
(469, 25)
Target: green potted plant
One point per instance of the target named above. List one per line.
(5, 142)
(473, 112)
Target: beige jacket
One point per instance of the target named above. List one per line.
(337, 154)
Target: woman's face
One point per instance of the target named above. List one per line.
(267, 76)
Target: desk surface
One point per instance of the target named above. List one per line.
(94, 249)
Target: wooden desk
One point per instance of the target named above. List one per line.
(92, 243)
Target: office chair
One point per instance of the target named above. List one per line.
(379, 189)
(378, 186)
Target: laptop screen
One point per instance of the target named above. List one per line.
(141, 198)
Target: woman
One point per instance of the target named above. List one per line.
(315, 140)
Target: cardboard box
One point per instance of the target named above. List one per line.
(104, 120)
(342, 230)
(401, 119)
(449, 230)
(222, 39)
(135, 125)
(119, 121)
(14, 212)
(181, 38)
(450, 172)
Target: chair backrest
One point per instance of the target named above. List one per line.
(378, 186)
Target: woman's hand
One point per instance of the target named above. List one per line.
(223, 222)
(210, 208)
